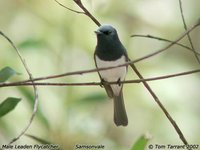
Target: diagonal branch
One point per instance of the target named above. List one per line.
(188, 34)
(171, 44)
(160, 105)
(165, 40)
(87, 13)
(34, 87)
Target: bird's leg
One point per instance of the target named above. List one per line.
(119, 82)
(102, 82)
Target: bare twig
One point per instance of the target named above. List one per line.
(171, 44)
(34, 87)
(160, 105)
(165, 40)
(79, 12)
(87, 13)
(22, 83)
(188, 34)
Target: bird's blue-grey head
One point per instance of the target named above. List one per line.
(108, 44)
(106, 33)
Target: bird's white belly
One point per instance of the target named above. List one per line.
(112, 75)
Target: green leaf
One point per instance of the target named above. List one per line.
(6, 73)
(141, 143)
(8, 105)
(40, 140)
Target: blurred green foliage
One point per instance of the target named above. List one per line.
(54, 40)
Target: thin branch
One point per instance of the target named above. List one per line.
(98, 83)
(188, 34)
(34, 87)
(87, 13)
(165, 40)
(171, 44)
(160, 105)
(79, 12)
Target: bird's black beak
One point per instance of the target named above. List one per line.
(98, 32)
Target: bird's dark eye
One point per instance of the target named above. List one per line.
(107, 32)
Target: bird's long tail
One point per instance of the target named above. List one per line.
(120, 117)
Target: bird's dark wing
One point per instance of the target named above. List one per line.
(107, 87)
(124, 52)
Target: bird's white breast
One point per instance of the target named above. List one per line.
(112, 75)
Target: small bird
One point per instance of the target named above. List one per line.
(110, 52)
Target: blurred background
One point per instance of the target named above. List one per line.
(54, 40)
